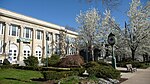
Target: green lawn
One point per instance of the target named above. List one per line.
(14, 76)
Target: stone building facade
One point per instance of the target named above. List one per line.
(22, 36)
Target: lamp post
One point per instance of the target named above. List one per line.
(111, 40)
(47, 48)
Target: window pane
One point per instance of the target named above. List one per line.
(27, 33)
(41, 33)
(13, 31)
(1, 46)
(1, 28)
(18, 31)
(14, 57)
(38, 34)
(24, 57)
(30, 33)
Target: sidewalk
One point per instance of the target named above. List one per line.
(142, 76)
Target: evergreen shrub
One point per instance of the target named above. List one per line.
(31, 61)
(102, 71)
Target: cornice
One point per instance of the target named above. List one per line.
(28, 19)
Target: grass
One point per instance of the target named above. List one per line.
(14, 76)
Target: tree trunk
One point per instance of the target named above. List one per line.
(92, 52)
(87, 55)
(133, 54)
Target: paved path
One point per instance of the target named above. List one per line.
(142, 76)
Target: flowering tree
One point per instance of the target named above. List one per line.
(139, 26)
(94, 30)
(107, 3)
(89, 29)
(108, 25)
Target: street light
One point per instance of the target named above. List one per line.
(111, 40)
(47, 48)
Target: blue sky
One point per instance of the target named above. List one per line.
(62, 12)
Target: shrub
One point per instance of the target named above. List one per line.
(52, 61)
(6, 66)
(134, 64)
(80, 71)
(6, 62)
(121, 64)
(54, 75)
(102, 71)
(71, 61)
(29, 68)
(91, 64)
(31, 61)
(55, 69)
(103, 63)
(70, 80)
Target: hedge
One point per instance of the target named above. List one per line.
(54, 75)
(102, 71)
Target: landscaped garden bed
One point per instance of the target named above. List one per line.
(98, 72)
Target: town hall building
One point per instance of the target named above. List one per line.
(22, 36)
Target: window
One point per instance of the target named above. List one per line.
(13, 53)
(1, 61)
(39, 34)
(57, 49)
(49, 35)
(27, 51)
(1, 28)
(14, 30)
(27, 33)
(39, 54)
(71, 40)
(57, 37)
(1, 47)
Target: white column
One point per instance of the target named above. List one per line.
(54, 43)
(6, 41)
(44, 45)
(21, 56)
(33, 42)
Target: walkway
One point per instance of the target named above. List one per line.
(142, 76)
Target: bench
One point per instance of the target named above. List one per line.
(130, 68)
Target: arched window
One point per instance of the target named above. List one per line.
(39, 53)
(13, 53)
(26, 51)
